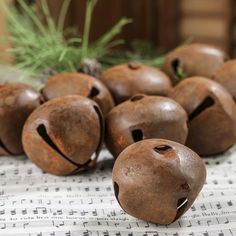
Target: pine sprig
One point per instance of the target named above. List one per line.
(107, 37)
(39, 46)
(87, 25)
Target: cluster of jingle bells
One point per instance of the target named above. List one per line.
(145, 117)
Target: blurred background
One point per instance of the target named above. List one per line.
(165, 23)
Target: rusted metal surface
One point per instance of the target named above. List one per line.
(17, 101)
(144, 117)
(157, 180)
(126, 80)
(212, 115)
(226, 76)
(62, 135)
(79, 84)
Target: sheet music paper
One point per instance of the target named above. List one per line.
(33, 203)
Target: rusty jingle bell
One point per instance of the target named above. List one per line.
(193, 60)
(212, 115)
(126, 80)
(157, 180)
(62, 135)
(144, 117)
(79, 84)
(17, 101)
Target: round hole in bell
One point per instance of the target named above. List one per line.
(162, 149)
(136, 98)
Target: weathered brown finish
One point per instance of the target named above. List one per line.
(17, 101)
(212, 115)
(157, 180)
(226, 76)
(61, 135)
(126, 80)
(144, 117)
(194, 60)
(79, 84)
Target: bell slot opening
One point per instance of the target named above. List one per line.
(136, 98)
(205, 104)
(175, 64)
(3, 146)
(94, 92)
(101, 121)
(116, 191)
(137, 135)
(42, 131)
(181, 206)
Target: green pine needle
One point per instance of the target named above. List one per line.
(62, 16)
(107, 37)
(180, 74)
(87, 25)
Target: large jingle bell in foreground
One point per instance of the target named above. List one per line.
(157, 180)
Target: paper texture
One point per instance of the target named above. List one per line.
(33, 203)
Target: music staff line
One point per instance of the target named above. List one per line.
(91, 203)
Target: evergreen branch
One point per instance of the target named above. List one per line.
(39, 48)
(116, 29)
(63, 53)
(33, 17)
(50, 22)
(114, 44)
(88, 18)
(12, 17)
(62, 15)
